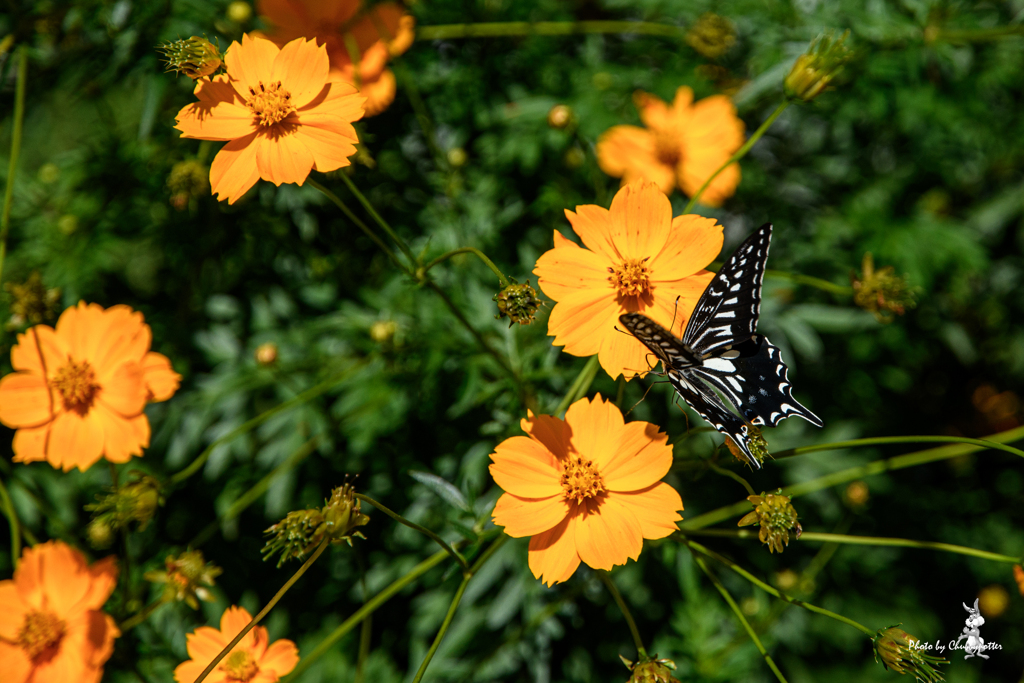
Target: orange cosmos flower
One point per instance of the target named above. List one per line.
(78, 391)
(587, 489)
(637, 258)
(372, 36)
(251, 661)
(280, 112)
(682, 145)
(51, 626)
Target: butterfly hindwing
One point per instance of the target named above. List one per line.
(727, 310)
(710, 407)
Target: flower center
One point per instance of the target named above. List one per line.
(632, 278)
(667, 148)
(40, 635)
(580, 479)
(240, 666)
(270, 103)
(76, 383)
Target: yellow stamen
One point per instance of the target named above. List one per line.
(240, 666)
(76, 383)
(631, 278)
(580, 479)
(270, 103)
(40, 635)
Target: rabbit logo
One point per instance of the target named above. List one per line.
(975, 644)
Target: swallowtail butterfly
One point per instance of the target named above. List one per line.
(721, 353)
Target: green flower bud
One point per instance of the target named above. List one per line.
(817, 67)
(775, 514)
(195, 57)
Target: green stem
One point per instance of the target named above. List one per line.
(546, 28)
(413, 525)
(865, 540)
(366, 610)
(740, 153)
(131, 622)
(811, 281)
(469, 574)
(307, 395)
(12, 166)
(879, 440)
(12, 520)
(739, 615)
(772, 591)
(472, 330)
(469, 250)
(250, 496)
(580, 385)
(975, 35)
(380, 221)
(617, 596)
(420, 109)
(732, 475)
(877, 467)
(263, 612)
(360, 224)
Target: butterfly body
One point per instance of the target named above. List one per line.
(721, 354)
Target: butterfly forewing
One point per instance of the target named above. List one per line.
(727, 310)
(662, 343)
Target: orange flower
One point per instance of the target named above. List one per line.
(372, 36)
(586, 489)
(682, 145)
(638, 259)
(251, 661)
(79, 390)
(51, 626)
(280, 112)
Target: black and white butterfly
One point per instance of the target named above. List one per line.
(721, 353)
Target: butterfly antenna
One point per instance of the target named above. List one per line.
(675, 309)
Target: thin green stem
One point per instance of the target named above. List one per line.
(772, 591)
(811, 281)
(253, 494)
(606, 579)
(865, 540)
(732, 475)
(12, 165)
(131, 622)
(881, 440)
(366, 610)
(360, 224)
(978, 35)
(877, 467)
(263, 612)
(307, 395)
(468, 250)
(467, 575)
(472, 330)
(580, 385)
(739, 615)
(12, 520)
(739, 154)
(546, 28)
(380, 221)
(413, 525)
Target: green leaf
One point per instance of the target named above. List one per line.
(443, 488)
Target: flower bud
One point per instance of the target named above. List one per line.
(382, 331)
(775, 514)
(188, 179)
(881, 291)
(755, 442)
(99, 533)
(650, 669)
(239, 12)
(817, 67)
(195, 57)
(301, 531)
(136, 501)
(993, 600)
(856, 494)
(711, 35)
(457, 157)
(560, 116)
(518, 302)
(896, 650)
(31, 302)
(188, 577)
(266, 354)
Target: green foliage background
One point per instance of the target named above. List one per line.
(916, 156)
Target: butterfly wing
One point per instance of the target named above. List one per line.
(666, 346)
(727, 311)
(752, 376)
(710, 407)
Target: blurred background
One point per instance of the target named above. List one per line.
(916, 155)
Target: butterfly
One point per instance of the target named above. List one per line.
(721, 354)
